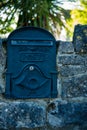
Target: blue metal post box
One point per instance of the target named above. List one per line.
(31, 64)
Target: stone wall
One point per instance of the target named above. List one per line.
(69, 110)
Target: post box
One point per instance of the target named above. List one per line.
(31, 64)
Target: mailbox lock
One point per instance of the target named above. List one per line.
(31, 68)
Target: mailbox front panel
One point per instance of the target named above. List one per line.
(31, 64)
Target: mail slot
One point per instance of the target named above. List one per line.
(31, 64)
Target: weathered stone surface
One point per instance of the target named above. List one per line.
(65, 47)
(68, 127)
(71, 70)
(74, 86)
(2, 68)
(22, 115)
(80, 38)
(59, 86)
(72, 59)
(67, 113)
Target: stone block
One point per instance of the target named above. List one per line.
(71, 70)
(22, 115)
(80, 38)
(72, 59)
(67, 113)
(74, 86)
(2, 68)
(65, 47)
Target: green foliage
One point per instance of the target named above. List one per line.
(41, 13)
(78, 16)
(7, 17)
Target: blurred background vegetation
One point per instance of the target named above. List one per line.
(54, 15)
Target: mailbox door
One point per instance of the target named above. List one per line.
(31, 83)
